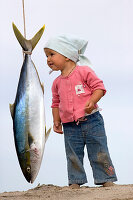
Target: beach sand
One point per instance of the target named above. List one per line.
(51, 192)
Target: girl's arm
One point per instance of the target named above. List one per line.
(95, 97)
(57, 127)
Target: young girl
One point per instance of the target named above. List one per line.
(75, 94)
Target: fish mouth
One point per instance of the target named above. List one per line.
(28, 179)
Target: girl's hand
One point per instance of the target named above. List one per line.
(57, 127)
(89, 107)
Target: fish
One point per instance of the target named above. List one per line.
(28, 111)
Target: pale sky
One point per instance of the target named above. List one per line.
(108, 26)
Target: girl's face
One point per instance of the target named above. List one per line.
(55, 60)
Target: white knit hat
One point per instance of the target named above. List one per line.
(70, 47)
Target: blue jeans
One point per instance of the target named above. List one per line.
(92, 134)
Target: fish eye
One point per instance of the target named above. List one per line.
(28, 169)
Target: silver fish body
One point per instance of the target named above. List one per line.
(29, 120)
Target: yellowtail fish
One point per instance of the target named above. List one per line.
(28, 112)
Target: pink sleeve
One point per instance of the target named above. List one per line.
(55, 96)
(93, 81)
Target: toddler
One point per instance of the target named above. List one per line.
(75, 94)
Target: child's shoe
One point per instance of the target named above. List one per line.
(74, 186)
(108, 184)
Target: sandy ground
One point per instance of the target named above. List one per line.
(51, 192)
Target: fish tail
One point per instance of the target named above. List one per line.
(28, 45)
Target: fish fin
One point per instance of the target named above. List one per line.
(37, 37)
(42, 85)
(11, 106)
(27, 45)
(47, 133)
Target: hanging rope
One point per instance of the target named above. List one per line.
(24, 19)
(24, 22)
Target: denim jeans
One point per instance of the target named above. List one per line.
(92, 134)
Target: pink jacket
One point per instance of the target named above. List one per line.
(71, 93)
